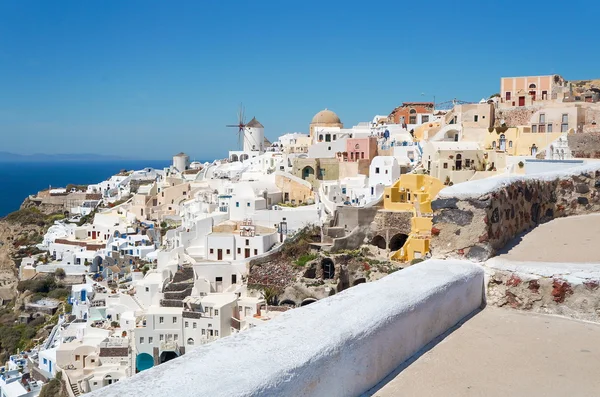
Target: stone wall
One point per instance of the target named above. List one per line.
(317, 351)
(585, 145)
(514, 117)
(476, 219)
(389, 223)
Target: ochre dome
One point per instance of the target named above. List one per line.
(326, 117)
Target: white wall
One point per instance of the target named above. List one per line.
(391, 319)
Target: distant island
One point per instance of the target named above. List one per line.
(6, 157)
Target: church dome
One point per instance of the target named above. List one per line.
(326, 117)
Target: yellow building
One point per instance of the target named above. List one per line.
(519, 141)
(413, 193)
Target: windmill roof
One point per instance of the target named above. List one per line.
(254, 123)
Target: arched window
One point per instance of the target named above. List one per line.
(320, 137)
(502, 142)
(509, 144)
(494, 145)
(357, 146)
(190, 341)
(413, 117)
(532, 86)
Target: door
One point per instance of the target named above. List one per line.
(521, 101)
(220, 254)
(93, 235)
(532, 93)
(247, 253)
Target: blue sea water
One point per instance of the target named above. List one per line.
(20, 179)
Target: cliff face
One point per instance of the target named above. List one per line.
(12, 236)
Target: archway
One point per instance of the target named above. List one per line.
(167, 356)
(379, 242)
(397, 241)
(328, 268)
(243, 157)
(451, 135)
(361, 280)
(190, 341)
(287, 302)
(307, 172)
(308, 301)
(143, 361)
(234, 157)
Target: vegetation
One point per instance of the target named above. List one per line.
(41, 285)
(304, 259)
(495, 95)
(270, 294)
(300, 244)
(54, 388)
(416, 260)
(33, 216)
(60, 273)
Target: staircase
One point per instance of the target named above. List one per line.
(137, 301)
(75, 389)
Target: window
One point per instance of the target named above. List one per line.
(228, 251)
(508, 95)
(532, 86)
(239, 250)
(549, 129)
(327, 137)
(255, 251)
(424, 118)
(77, 357)
(187, 324)
(494, 145)
(564, 127)
(565, 118)
(377, 170)
(247, 242)
(476, 118)
(174, 320)
(176, 337)
(161, 337)
(509, 143)
(362, 155)
(216, 312)
(544, 95)
(542, 118)
(334, 137)
(248, 204)
(534, 128)
(467, 163)
(386, 172)
(237, 204)
(194, 325)
(147, 289)
(141, 340)
(445, 165)
(150, 339)
(211, 251)
(216, 332)
(203, 331)
(161, 320)
(320, 137)
(542, 128)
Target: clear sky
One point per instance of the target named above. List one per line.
(153, 78)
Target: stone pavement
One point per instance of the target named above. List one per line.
(503, 352)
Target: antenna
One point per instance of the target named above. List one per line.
(241, 125)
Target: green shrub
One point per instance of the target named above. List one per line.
(59, 293)
(304, 259)
(416, 260)
(60, 273)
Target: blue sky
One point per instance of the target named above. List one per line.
(152, 78)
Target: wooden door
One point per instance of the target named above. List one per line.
(247, 253)
(521, 101)
(220, 254)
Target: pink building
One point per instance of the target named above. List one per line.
(360, 149)
(524, 91)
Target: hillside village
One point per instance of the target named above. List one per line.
(120, 276)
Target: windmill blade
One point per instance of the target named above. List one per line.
(232, 125)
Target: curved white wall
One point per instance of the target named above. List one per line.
(339, 346)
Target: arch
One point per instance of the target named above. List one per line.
(458, 162)
(143, 361)
(533, 150)
(243, 157)
(307, 172)
(379, 242)
(412, 111)
(397, 241)
(234, 157)
(320, 137)
(190, 341)
(328, 268)
(451, 135)
(308, 301)
(361, 280)
(532, 86)
(287, 302)
(167, 356)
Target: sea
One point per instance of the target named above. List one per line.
(20, 179)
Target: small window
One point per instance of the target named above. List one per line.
(203, 331)
(377, 170)
(228, 251)
(445, 165)
(150, 339)
(174, 320)
(239, 251)
(141, 340)
(467, 163)
(534, 128)
(508, 95)
(425, 118)
(476, 118)
(77, 357)
(161, 320)
(194, 325)
(161, 337)
(565, 118)
(147, 289)
(386, 172)
(509, 144)
(247, 242)
(176, 337)
(216, 332)
(216, 312)
(248, 204)
(549, 129)
(255, 251)
(187, 324)
(542, 118)
(237, 204)
(211, 250)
